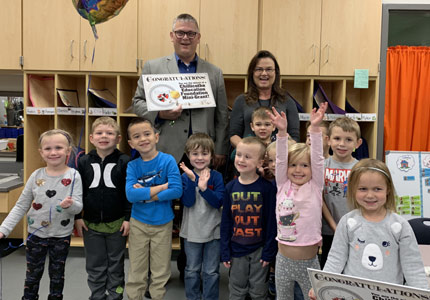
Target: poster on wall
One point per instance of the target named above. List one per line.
(331, 286)
(167, 91)
(411, 176)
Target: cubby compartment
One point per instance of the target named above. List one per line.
(363, 100)
(234, 86)
(34, 126)
(127, 89)
(334, 90)
(75, 125)
(41, 90)
(72, 86)
(301, 90)
(106, 87)
(368, 131)
(53, 113)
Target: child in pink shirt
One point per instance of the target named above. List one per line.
(300, 180)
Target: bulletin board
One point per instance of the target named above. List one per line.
(411, 177)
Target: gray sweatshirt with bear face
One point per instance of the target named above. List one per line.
(386, 251)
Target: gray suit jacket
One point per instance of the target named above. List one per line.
(213, 120)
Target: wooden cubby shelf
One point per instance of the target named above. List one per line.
(78, 121)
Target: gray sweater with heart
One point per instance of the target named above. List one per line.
(41, 198)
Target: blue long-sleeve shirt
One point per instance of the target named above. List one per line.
(151, 173)
(248, 220)
(202, 210)
(214, 194)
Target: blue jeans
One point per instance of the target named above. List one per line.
(202, 258)
(298, 294)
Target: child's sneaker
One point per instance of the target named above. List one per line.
(272, 286)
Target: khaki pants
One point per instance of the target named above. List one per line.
(150, 247)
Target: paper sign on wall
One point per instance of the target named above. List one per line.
(167, 91)
(361, 78)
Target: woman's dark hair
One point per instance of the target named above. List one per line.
(278, 94)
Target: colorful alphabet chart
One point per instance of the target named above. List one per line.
(411, 177)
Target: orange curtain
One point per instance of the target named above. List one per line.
(407, 99)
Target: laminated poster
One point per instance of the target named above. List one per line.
(410, 171)
(167, 91)
(330, 286)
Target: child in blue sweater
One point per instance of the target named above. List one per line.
(203, 196)
(152, 182)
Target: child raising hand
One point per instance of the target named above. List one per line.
(299, 179)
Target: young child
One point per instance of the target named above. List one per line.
(152, 182)
(106, 214)
(299, 178)
(372, 241)
(324, 130)
(344, 137)
(261, 126)
(202, 198)
(52, 196)
(248, 224)
(270, 163)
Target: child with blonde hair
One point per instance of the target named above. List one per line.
(269, 174)
(372, 241)
(299, 179)
(248, 224)
(51, 198)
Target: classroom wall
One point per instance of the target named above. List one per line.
(10, 83)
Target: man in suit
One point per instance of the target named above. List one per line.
(177, 125)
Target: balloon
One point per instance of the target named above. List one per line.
(98, 11)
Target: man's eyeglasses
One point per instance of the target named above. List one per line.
(181, 34)
(259, 71)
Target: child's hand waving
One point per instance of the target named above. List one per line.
(318, 115)
(187, 171)
(203, 179)
(279, 121)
